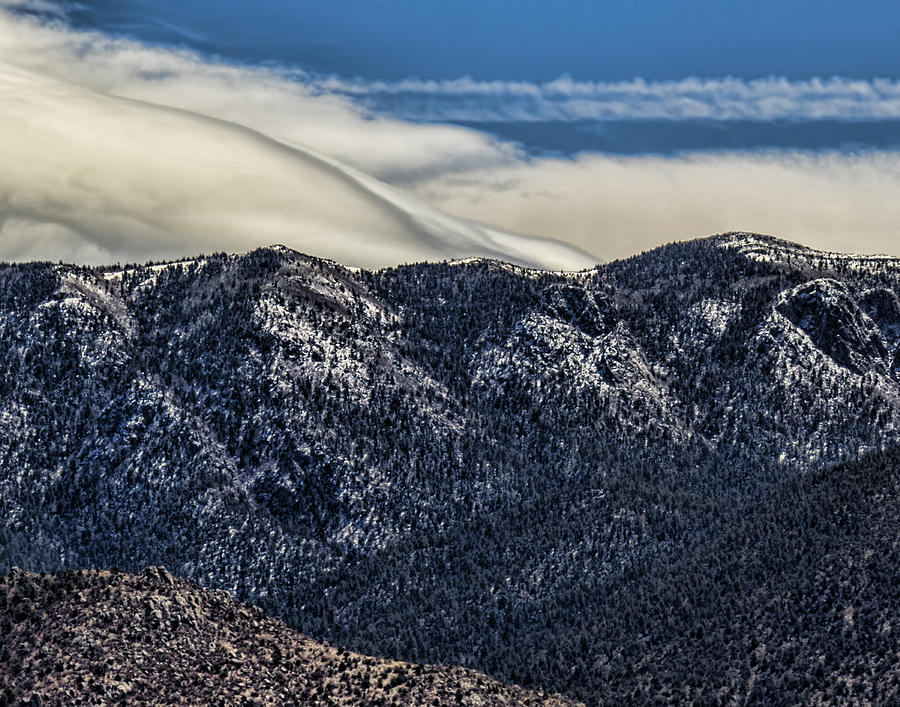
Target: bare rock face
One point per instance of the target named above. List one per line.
(580, 308)
(883, 306)
(103, 637)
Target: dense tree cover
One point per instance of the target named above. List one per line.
(633, 483)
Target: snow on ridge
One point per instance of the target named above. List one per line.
(704, 322)
(769, 249)
(115, 275)
(794, 356)
(542, 348)
(82, 293)
(532, 273)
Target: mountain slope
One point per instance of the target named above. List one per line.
(514, 462)
(149, 638)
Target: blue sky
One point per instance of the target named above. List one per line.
(531, 40)
(537, 41)
(610, 126)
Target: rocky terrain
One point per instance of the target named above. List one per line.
(105, 637)
(575, 482)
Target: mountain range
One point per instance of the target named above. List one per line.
(672, 477)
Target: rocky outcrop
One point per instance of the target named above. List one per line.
(825, 310)
(883, 306)
(103, 637)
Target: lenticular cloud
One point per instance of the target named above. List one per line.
(93, 175)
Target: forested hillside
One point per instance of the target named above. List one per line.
(672, 476)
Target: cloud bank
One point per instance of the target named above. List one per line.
(93, 176)
(619, 206)
(117, 151)
(285, 105)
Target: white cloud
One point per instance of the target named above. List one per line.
(23, 239)
(285, 106)
(95, 174)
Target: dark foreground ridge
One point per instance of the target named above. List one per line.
(109, 637)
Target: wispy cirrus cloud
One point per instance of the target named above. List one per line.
(566, 99)
(44, 8)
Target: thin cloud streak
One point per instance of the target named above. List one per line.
(568, 100)
(46, 8)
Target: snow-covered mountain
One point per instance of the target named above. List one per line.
(589, 482)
